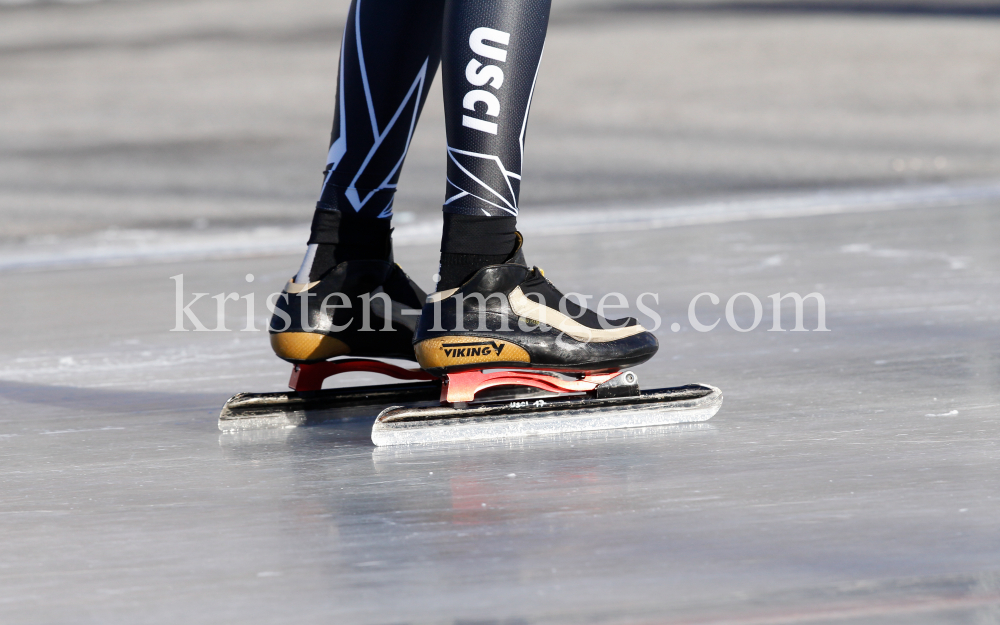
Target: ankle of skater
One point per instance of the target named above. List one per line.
(338, 236)
(471, 242)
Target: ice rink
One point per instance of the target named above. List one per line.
(852, 475)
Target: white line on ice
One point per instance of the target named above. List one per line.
(84, 430)
(120, 247)
(801, 205)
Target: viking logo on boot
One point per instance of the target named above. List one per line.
(464, 350)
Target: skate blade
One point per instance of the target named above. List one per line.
(434, 424)
(256, 411)
(252, 411)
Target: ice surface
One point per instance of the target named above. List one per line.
(850, 476)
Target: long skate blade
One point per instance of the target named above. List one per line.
(683, 404)
(249, 411)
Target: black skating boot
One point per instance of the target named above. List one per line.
(304, 331)
(359, 307)
(508, 316)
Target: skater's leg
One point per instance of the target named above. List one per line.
(492, 50)
(491, 309)
(389, 53)
(349, 298)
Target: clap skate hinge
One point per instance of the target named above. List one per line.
(462, 386)
(310, 377)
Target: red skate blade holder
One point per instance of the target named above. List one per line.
(461, 387)
(309, 377)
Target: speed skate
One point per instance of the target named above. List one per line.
(505, 354)
(478, 404)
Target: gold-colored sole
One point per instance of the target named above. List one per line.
(453, 351)
(307, 346)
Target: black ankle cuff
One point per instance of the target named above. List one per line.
(479, 235)
(354, 237)
(325, 226)
(471, 242)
